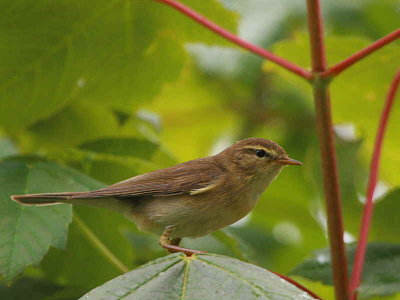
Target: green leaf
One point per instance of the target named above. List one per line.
(381, 274)
(374, 11)
(185, 28)
(234, 243)
(38, 289)
(116, 52)
(386, 221)
(7, 148)
(113, 159)
(205, 276)
(201, 115)
(108, 169)
(90, 234)
(123, 158)
(122, 147)
(73, 125)
(28, 232)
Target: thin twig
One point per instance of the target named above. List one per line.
(372, 181)
(348, 62)
(328, 154)
(300, 286)
(100, 245)
(236, 40)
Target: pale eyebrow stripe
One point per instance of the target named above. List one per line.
(259, 147)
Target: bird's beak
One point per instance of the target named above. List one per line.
(289, 161)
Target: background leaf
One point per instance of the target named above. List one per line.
(88, 50)
(381, 274)
(65, 267)
(28, 232)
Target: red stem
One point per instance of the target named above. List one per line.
(235, 39)
(373, 178)
(348, 62)
(311, 293)
(315, 27)
(328, 154)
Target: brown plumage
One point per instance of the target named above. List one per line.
(190, 199)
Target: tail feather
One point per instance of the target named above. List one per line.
(42, 199)
(123, 207)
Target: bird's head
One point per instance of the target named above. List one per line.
(257, 156)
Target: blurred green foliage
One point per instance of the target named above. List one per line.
(381, 274)
(116, 88)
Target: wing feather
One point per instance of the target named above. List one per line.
(186, 178)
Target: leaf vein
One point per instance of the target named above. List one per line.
(185, 279)
(260, 291)
(148, 280)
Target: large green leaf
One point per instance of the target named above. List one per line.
(386, 221)
(205, 276)
(185, 28)
(383, 16)
(97, 240)
(28, 232)
(381, 274)
(38, 289)
(123, 146)
(73, 125)
(233, 242)
(200, 115)
(116, 52)
(113, 159)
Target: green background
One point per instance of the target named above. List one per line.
(94, 92)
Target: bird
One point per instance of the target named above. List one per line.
(190, 199)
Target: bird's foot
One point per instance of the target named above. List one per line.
(187, 251)
(172, 244)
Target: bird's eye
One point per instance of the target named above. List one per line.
(261, 153)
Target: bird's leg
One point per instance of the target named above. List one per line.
(175, 242)
(172, 245)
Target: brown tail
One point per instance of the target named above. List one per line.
(43, 199)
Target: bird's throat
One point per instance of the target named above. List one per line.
(262, 181)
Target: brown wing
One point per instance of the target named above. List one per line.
(180, 179)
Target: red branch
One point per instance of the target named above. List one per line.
(315, 27)
(235, 39)
(295, 283)
(348, 62)
(328, 154)
(373, 178)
